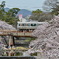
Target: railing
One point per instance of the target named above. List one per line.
(18, 57)
(27, 27)
(22, 34)
(15, 33)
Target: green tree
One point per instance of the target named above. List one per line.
(2, 11)
(35, 14)
(10, 16)
(2, 5)
(41, 16)
(13, 12)
(37, 11)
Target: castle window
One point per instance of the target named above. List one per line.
(33, 24)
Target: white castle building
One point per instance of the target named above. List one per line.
(24, 25)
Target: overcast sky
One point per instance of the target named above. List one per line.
(24, 4)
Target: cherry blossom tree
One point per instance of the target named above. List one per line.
(47, 42)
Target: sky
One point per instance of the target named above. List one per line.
(24, 4)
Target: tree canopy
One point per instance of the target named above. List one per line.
(10, 16)
(39, 15)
